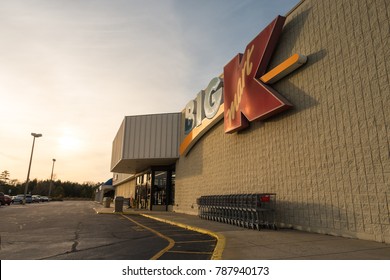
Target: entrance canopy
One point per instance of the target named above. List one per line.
(144, 141)
(103, 189)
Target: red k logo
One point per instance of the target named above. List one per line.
(246, 98)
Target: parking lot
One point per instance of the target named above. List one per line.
(72, 230)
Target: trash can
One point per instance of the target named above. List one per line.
(106, 202)
(119, 203)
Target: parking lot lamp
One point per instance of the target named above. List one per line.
(34, 135)
(51, 177)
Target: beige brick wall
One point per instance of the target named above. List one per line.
(126, 189)
(328, 158)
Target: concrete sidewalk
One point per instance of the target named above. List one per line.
(236, 243)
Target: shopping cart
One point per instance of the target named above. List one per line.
(265, 211)
(255, 211)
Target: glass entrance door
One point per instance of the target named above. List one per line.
(143, 191)
(162, 190)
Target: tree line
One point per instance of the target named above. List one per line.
(60, 189)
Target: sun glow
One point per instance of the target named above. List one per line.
(69, 142)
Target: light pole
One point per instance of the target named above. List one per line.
(34, 135)
(51, 177)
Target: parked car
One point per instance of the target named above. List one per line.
(2, 201)
(19, 198)
(44, 199)
(29, 198)
(36, 198)
(7, 199)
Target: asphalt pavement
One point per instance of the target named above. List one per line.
(72, 230)
(236, 243)
(184, 244)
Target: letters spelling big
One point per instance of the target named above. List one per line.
(245, 97)
(206, 105)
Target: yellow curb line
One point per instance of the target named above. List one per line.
(103, 212)
(221, 241)
(170, 240)
(115, 213)
(219, 247)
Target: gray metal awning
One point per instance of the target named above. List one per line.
(145, 141)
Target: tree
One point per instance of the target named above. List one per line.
(59, 189)
(32, 185)
(4, 176)
(14, 182)
(42, 188)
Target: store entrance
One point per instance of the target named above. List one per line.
(155, 189)
(163, 190)
(143, 191)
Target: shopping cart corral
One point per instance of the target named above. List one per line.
(254, 211)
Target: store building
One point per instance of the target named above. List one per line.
(104, 190)
(147, 147)
(317, 133)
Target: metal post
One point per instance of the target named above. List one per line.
(35, 135)
(51, 177)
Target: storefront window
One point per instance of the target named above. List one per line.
(143, 191)
(155, 189)
(172, 195)
(160, 188)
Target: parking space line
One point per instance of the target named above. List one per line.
(170, 240)
(195, 241)
(221, 241)
(190, 252)
(184, 234)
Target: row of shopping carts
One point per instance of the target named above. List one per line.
(254, 211)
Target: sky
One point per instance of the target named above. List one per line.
(73, 69)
